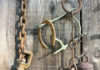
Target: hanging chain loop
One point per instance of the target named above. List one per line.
(73, 47)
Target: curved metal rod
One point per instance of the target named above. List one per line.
(74, 12)
(42, 25)
(79, 25)
(49, 22)
(63, 47)
(53, 33)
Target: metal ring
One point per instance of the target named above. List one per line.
(53, 33)
(71, 43)
(86, 57)
(74, 12)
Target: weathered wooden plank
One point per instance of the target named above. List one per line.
(7, 34)
(91, 26)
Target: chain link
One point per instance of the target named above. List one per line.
(22, 34)
(73, 65)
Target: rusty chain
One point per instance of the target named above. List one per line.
(25, 56)
(73, 65)
(22, 35)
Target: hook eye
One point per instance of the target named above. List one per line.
(74, 12)
(73, 44)
(84, 56)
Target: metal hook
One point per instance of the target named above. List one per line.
(74, 12)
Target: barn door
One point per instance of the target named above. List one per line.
(39, 10)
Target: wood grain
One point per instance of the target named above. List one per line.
(91, 26)
(7, 34)
(39, 10)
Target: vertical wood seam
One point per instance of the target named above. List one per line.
(81, 22)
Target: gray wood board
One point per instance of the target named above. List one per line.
(91, 26)
(7, 33)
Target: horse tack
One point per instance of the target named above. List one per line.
(73, 66)
(63, 47)
(52, 29)
(49, 22)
